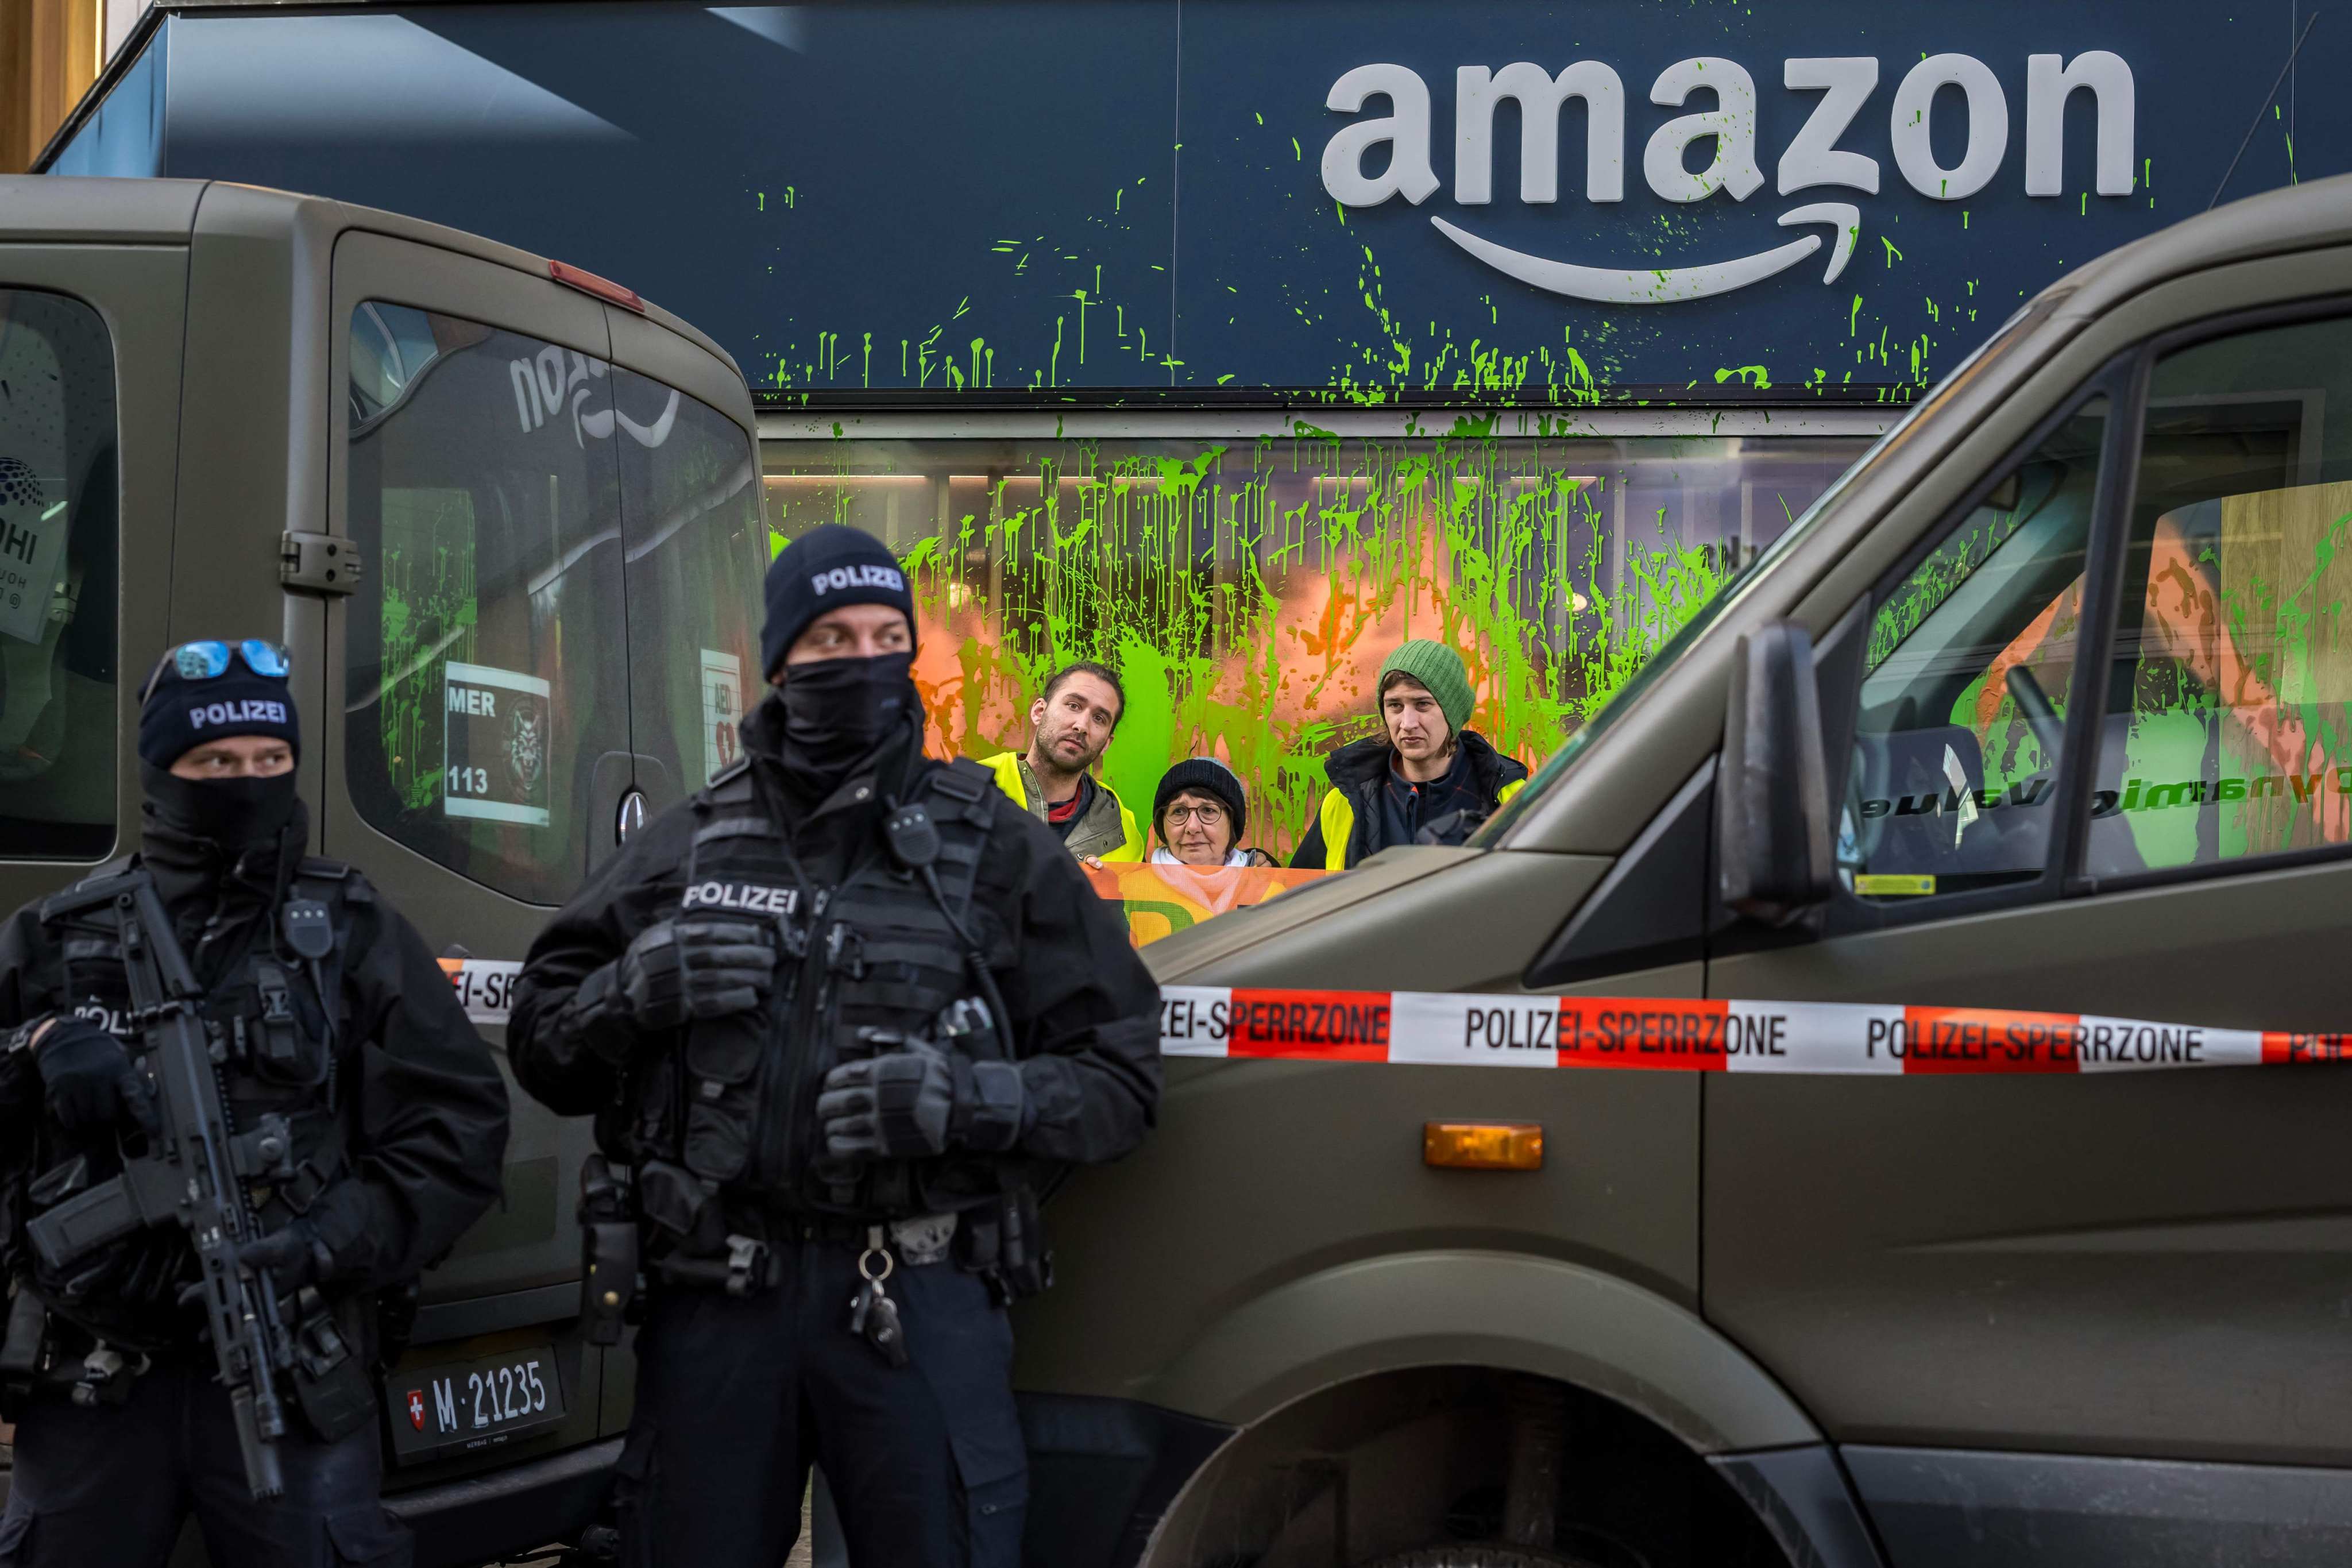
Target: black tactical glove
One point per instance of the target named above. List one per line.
(292, 1258)
(90, 1081)
(689, 968)
(916, 1100)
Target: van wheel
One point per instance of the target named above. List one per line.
(1473, 1556)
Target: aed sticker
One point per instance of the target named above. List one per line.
(722, 710)
(494, 741)
(32, 541)
(484, 987)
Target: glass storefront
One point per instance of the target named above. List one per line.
(1248, 588)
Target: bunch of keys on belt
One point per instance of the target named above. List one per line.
(873, 1316)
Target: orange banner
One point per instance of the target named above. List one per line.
(1161, 900)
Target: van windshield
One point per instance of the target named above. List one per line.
(2013, 332)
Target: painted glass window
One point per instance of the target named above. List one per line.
(59, 550)
(488, 663)
(1960, 728)
(695, 551)
(2228, 729)
(1248, 589)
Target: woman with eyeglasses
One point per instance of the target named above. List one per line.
(1200, 813)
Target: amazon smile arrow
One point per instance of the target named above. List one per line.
(1663, 285)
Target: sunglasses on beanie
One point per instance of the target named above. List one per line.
(210, 659)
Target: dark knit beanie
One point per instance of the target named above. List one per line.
(1210, 777)
(180, 714)
(828, 566)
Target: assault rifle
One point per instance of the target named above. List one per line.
(192, 1172)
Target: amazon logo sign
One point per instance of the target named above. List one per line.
(1813, 160)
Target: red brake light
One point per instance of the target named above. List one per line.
(587, 282)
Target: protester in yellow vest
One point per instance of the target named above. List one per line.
(1070, 726)
(1424, 779)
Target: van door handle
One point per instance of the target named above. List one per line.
(618, 779)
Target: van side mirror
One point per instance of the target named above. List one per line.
(1771, 791)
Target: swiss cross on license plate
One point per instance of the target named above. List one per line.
(458, 1407)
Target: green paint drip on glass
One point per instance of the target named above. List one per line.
(1247, 592)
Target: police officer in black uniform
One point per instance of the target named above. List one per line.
(397, 1117)
(841, 1016)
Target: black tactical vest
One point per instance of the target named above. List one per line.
(281, 1032)
(736, 1103)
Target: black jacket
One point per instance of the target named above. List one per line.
(1084, 1010)
(425, 1108)
(1373, 805)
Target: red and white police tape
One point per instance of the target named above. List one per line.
(485, 986)
(1455, 1030)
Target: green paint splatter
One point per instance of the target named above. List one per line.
(1248, 592)
(430, 611)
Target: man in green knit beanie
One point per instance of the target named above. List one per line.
(1425, 779)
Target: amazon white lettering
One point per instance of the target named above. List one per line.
(1731, 123)
(2049, 80)
(1915, 107)
(1812, 158)
(1405, 130)
(1400, 142)
(1539, 96)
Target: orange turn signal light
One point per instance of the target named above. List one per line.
(1482, 1145)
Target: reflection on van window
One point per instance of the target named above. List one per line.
(1962, 719)
(487, 671)
(2227, 729)
(59, 547)
(696, 553)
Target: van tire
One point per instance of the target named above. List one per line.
(1476, 1556)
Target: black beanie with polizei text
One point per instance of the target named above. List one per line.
(823, 569)
(180, 714)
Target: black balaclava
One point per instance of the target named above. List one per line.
(230, 815)
(836, 710)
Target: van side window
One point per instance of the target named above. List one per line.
(488, 669)
(1971, 660)
(696, 552)
(2227, 733)
(59, 549)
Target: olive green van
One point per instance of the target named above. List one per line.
(2052, 703)
(505, 516)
